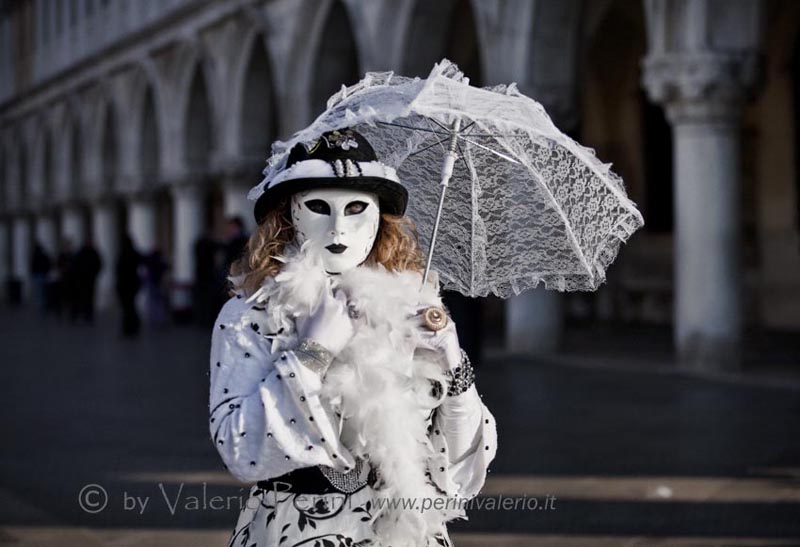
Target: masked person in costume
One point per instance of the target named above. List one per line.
(337, 382)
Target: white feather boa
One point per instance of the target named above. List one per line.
(381, 389)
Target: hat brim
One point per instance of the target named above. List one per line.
(392, 196)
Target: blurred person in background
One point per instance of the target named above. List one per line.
(207, 287)
(87, 265)
(40, 269)
(62, 292)
(154, 269)
(127, 284)
(235, 241)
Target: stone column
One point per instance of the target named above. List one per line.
(46, 234)
(72, 226)
(142, 223)
(189, 224)
(703, 90)
(143, 231)
(534, 321)
(105, 224)
(22, 253)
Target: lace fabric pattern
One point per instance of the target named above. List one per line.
(526, 203)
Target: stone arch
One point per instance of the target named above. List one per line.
(109, 149)
(198, 126)
(257, 120)
(23, 172)
(143, 92)
(336, 60)
(48, 164)
(426, 40)
(150, 138)
(185, 70)
(442, 29)
(74, 136)
(553, 57)
(615, 120)
(76, 163)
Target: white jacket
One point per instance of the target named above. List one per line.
(270, 414)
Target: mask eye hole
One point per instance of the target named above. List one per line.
(355, 208)
(318, 206)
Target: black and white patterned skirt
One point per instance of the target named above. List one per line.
(313, 507)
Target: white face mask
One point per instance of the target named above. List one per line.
(339, 223)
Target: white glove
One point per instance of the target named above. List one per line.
(444, 343)
(461, 414)
(329, 324)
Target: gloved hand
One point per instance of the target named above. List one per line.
(459, 415)
(329, 324)
(443, 343)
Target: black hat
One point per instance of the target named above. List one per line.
(339, 158)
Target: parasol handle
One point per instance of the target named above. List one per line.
(447, 172)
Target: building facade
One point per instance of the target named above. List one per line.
(154, 117)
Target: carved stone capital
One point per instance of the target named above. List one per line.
(701, 86)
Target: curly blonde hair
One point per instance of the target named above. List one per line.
(396, 247)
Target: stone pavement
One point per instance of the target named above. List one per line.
(630, 450)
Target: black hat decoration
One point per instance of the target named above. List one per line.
(341, 158)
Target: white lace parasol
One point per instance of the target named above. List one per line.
(525, 203)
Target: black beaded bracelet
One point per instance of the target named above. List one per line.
(461, 377)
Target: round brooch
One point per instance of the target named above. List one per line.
(434, 318)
